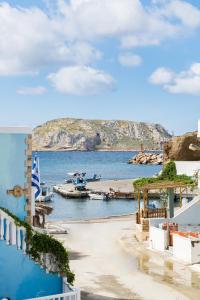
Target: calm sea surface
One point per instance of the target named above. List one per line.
(54, 167)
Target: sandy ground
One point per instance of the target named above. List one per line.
(110, 264)
(125, 185)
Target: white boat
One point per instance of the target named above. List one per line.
(74, 175)
(94, 196)
(45, 198)
(46, 194)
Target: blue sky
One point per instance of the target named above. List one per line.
(100, 59)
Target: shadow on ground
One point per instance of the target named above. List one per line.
(76, 255)
(109, 284)
(90, 296)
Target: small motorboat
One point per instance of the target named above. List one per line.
(94, 178)
(96, 196)
(74, 175)
(46, 193)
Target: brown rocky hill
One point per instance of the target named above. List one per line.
(79, 134)
(178, 148)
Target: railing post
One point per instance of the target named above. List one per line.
(18, 238)
(24, 242)
(78, 294)
(7, 231)
(2, 228)
(13, 239)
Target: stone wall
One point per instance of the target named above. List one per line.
(178, 148)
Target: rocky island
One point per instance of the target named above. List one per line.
(89, 135)
(145, 158)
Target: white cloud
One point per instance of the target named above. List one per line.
(65, 34)
(184, 11)
(161, 76)
(127, 20)
(185, 82)
(36, 41)
(81, 81)
(39, 90)
(129, 59)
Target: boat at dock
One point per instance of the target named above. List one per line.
(98, 196)
(74, 175)
(76, 194)
(46, 193)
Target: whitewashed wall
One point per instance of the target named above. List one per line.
(156, 221)
(187, 167)
(158, 239)
(189, 214)
(184, 250)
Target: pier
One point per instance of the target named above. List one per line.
(117, 189)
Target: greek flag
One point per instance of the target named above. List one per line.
(36, 177)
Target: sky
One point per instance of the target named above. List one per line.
(100, 59)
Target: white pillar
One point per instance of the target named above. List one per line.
(1, 228)
(13, 240)
(78, 294)
(24, 242)
(7, 231)
(18, 239)
(65, 285)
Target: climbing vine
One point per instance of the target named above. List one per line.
(41, 243)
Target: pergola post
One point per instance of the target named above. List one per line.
(170, 192)
(139, 201)
(181, 198)
(139, 206)
(145, 197)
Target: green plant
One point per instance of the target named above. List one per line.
(169, 173)
(41, 243)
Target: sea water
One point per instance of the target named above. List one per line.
(54, 167)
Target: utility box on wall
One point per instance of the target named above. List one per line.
(15, 171)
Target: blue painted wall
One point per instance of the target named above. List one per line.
(21, 278)
(12, 171)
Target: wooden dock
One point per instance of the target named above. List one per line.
(117, 189)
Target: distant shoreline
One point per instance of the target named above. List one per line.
(101, 150)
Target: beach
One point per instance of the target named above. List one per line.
(109, 263)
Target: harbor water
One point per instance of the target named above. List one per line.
(54, 167)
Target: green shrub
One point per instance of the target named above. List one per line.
(169, 171)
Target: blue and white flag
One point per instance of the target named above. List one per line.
(36, 178)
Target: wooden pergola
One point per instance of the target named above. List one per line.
(144, 189)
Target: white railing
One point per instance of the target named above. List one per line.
(74, 295)
(12, 234)
(16, 235)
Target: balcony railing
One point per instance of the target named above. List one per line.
(74, 295)
(149, 213)
(12, 234)
(16, 235)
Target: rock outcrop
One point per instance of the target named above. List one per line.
(178, 148)
(78, 134)
(143, 158)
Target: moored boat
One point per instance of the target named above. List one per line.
(74, 175)
(70, 193)
(97, 196)
(46, 194)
